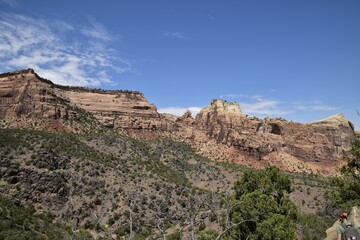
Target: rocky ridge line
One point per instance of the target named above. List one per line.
(220, 131)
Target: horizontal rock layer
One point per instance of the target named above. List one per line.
(220, 131)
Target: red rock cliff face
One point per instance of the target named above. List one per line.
(220, 131)
(27, 100)
(117, 109)
(313, 147)
(23, 96)
(320, 141)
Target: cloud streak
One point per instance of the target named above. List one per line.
(314, 106)
(49, 47)
(97, 31)
(179, 111)
(264, 108)
(11, 3)
(261, 106)
(176, 35)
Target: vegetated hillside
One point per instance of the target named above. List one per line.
(103, 183)
(113, 185)
(106, 182)
(23, 222)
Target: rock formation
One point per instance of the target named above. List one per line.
(291, 146)
(220, 131)
(27, 100)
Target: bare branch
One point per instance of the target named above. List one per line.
(133, 197)
(158, 226)
(230, 205)
(234, 225)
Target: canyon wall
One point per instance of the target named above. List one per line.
(220, 131)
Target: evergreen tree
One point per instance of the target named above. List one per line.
(264, 209)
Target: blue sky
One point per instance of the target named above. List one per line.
(299, 60)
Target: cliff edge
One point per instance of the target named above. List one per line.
(220, 131)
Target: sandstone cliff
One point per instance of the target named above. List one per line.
(27, 100)
(223, 132)
(220, 131)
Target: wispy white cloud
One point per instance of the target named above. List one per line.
(262, 106)
(53, 50)
(97, 31)
(238, 96)
(11, 3)
(232, 96)
(179, 111)
(258, 105)
(62, 26)
(176, 35)
(211, 16)
(314, 106)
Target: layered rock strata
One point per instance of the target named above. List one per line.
(275, 139)
(220, 131)
(320, 141)
(27, 98)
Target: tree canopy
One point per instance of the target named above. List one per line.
(263, 208)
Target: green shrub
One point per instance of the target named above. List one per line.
(97, 201)
(313, 226)
(208, 235)
(174, 236)
(22, 222)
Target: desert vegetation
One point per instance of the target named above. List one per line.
(111, 186)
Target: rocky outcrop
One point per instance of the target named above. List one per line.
(26, 98)
(290, 146)
(121, 110)
(320, 141)
(23, 96)
(225, 123)
(220, 131)
(48, 188)
(312, 142)
(186, 119)
(337, 128)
